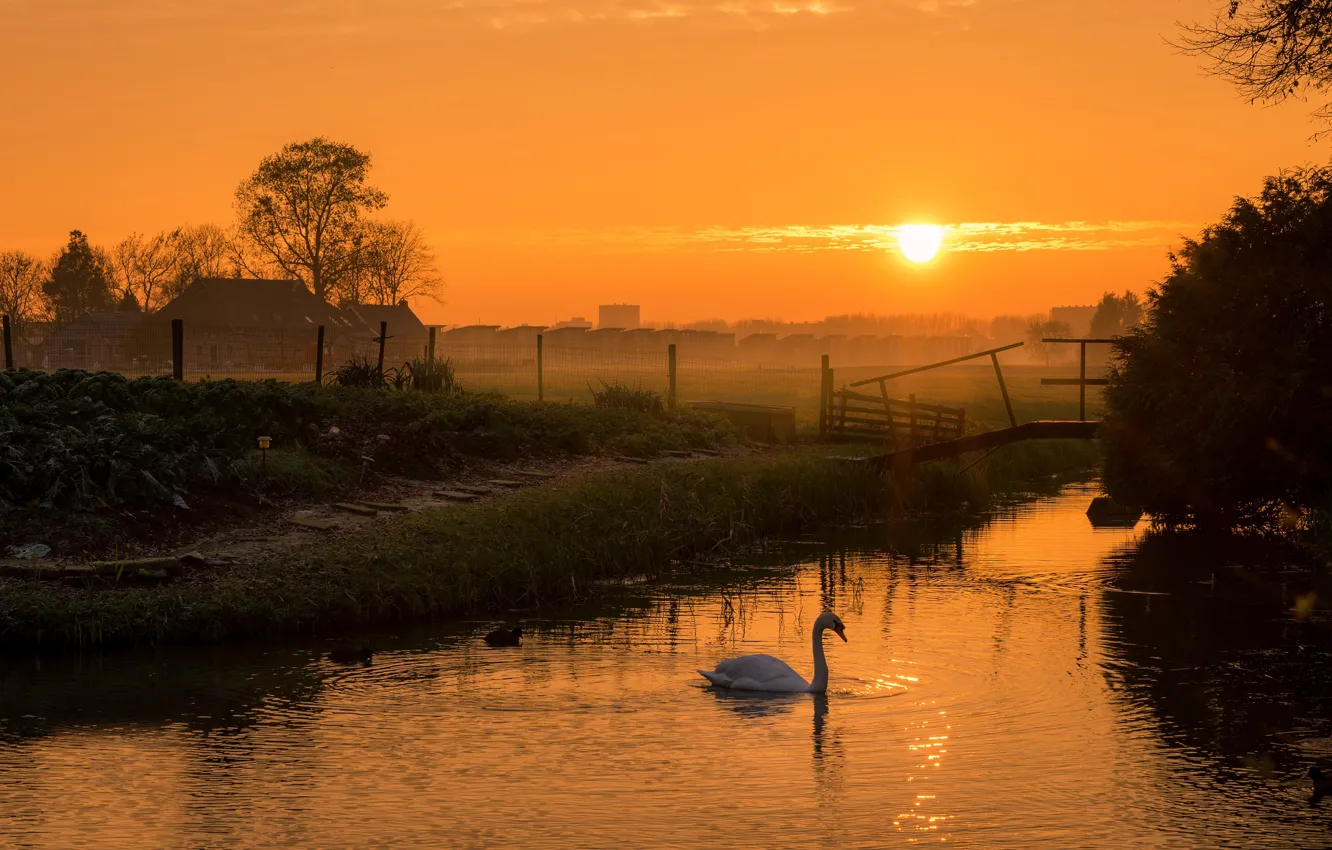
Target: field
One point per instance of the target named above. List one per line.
(976, 389)
(971, 387)
(572, 374)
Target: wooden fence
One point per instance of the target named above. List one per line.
(853, 414)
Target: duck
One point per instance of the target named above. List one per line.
(773, 675)
(1322, 784)
(505, 637)
(351, 655)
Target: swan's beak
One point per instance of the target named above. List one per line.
(841, 632)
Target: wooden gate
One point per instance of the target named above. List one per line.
(898, 421)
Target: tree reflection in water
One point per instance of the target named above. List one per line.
(1203, 636)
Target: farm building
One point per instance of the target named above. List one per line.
(96, 339)
(234, 324)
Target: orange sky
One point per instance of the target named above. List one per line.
(704, 158)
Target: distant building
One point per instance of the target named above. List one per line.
(264, 325)
(520, 335)
(624, 316)
(641, 339)
(709, 344)
(470, 335)
(401, 321)
(237, 324)
(606, 339)
(759, 347)
(575, 322)
(225, 302)
(95, 339)
(569, 337)
(1078, 319)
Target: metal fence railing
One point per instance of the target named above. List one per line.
(554, 366)
(532, 368)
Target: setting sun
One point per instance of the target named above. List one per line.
(920, 242)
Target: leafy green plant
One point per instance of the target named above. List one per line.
(359, 372)
(422, 374)
(75, 440)
(621, 397)
(398, 379)
(432, 375)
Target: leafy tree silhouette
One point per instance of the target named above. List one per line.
(303, 209)
(79, 280)
(1220, 402)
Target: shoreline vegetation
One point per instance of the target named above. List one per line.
(126, 465)
(521, 549)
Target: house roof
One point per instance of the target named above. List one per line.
(107, 320)
(240, 302)
(400, 318)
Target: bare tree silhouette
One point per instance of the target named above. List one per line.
(399, 263)
(1271, 50)
(21, 277)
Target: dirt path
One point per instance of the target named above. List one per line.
(293, 526)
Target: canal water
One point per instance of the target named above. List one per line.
(1024, 681)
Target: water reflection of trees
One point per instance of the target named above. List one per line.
(201, 690)
(1200, 635)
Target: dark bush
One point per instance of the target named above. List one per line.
(81, 439)
(1220, 403)
(73, 439)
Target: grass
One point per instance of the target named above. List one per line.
(975, 388)
(969, 385)
(972, 386)
(526, 548)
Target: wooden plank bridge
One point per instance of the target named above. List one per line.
(988, 441)
(924, 432)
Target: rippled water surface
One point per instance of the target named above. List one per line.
(1024, 682)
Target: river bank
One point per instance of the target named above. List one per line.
(517, 549)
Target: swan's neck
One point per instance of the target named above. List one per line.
(820, 683)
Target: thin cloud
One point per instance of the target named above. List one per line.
(963, 237)
(300, 18)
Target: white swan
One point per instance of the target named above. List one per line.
(765, 673)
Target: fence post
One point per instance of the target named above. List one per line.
(319, 358)
(9, 344)
(178, 349)
(832, 394)
(670, 373)
(383, 335)
(541, 389)
(1003, 388)
(823, 398)
(1082, 382)
(430, 346)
